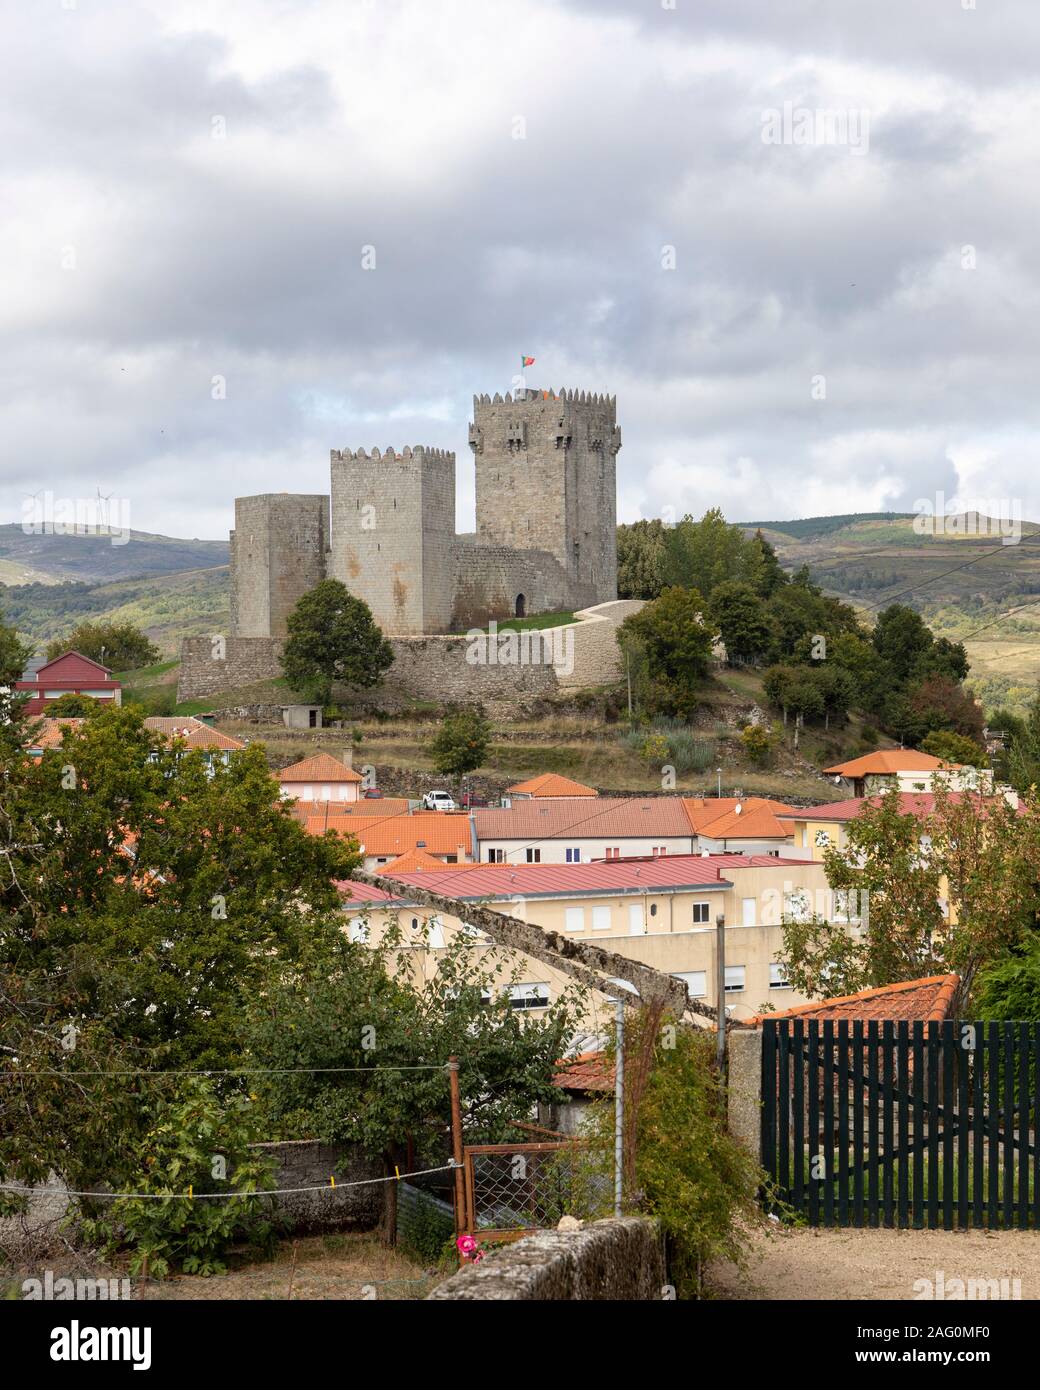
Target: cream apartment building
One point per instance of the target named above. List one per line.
(661, 911)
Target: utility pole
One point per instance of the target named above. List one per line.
(619, 1104)
(456, 1145)
(628, 678)
(720, 992)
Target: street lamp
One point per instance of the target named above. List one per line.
(719, 772)
(619, 1082)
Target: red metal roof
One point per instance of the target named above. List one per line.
(909, 804)
(72, 668)
(669, 873)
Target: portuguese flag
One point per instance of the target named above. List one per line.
(526, 362)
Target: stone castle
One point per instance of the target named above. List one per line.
(545, 538)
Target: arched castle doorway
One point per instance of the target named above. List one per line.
(521, 606)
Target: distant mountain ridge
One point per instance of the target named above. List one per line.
(50, 558)
(970, 587)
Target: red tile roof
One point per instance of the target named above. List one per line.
(706, 811)
(889, 760)
(550, 784)
(416, 860)
(589, 1071)
(320, 768)
(928, 1000)
(439, 832)
(612, 817)
(50, 732)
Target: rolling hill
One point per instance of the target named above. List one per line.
(969, 587)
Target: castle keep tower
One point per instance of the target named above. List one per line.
(277, 554)
(545, 539)
(546, 480)
(393, 526)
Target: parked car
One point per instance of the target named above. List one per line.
(439, 801)
(471, 799)
(373, 794)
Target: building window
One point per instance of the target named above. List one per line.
(574, 919)
(701, 913)
(734, 979)
(601, 919)
(613, 852)
(778, 976)
(696, 982)
(528, 996)
(496, 856)
(574, 856)
(534, 856)
(653, 909)
(659, 850)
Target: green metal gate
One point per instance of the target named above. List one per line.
(902, 1123)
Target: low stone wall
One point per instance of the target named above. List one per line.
(518, 669)
(310, 1163)
(607, 1260)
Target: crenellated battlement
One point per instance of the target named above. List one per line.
(545, 482)
(532, 396)
(422, 451)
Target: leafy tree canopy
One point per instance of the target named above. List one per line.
(333, 639)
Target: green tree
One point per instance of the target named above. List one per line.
(640, 557)
(955, 748)
(740, 615)
(461, 743)
(903, 641)
(146, 902)
(941, 704)
(14, 656)
(333, 640)
(352, 1007)
(74, 706)
(953, 890)
(119, 646)
(668, 643)
(703, 554)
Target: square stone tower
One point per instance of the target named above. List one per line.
(546, 480)
(393, 527)
(277, 554)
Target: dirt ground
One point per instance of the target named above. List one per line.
(812, 1264)
(335, 1266)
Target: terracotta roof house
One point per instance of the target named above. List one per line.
(415, 861)
(909, 770)
(444, 835)
(69, 674)
(818, 828)
(49, 734)
(310, 810)
(550, 785)
(579, 829)
(587, 1072)
(928, 1000)
(746, 825)
(320, 778)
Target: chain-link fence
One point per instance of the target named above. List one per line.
(515, 1188)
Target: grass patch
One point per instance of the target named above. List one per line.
(537, 621)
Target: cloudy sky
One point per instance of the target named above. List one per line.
(799, 313)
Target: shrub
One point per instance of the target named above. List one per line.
(195, 1142)
(758, 742)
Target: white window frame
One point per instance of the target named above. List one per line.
(736, 979)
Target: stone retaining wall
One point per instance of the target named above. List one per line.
(607, 1260)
